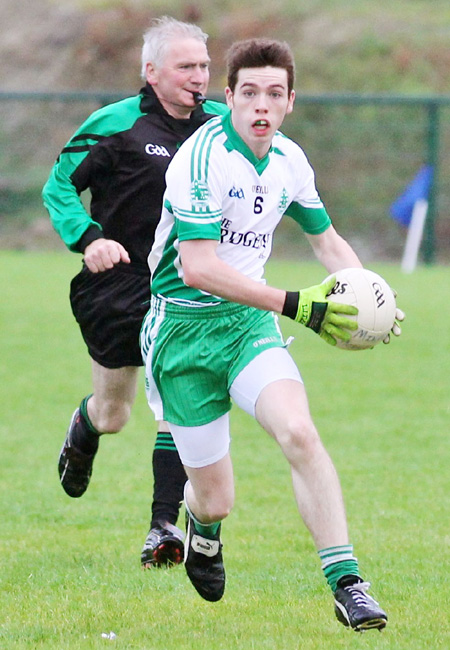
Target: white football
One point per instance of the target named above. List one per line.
(375, 301)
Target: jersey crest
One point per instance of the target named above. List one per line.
(199, 194)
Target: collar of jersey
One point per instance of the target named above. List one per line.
(235, 142)
(151, 104)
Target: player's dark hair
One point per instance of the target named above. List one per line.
(259, 53)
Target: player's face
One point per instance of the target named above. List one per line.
(259, 104)
(185, 70)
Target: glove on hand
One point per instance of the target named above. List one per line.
(311, 308)
(399, 317)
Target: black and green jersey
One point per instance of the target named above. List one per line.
(120, 153)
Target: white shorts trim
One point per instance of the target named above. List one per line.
(203, 445)
(269, 366)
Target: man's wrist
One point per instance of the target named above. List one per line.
(89, 235)
(290, 307)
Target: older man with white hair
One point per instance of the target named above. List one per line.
(121, 153)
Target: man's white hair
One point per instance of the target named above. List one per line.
(158, 37)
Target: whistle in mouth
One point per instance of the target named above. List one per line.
(198, 97)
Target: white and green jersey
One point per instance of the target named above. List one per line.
(218, 189)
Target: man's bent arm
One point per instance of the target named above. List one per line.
(207, 272)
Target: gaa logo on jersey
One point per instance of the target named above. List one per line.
(235, 193)
(199, 193)
(156, 150)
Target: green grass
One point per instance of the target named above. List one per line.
(69, 569)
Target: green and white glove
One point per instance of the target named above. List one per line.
(311, 308)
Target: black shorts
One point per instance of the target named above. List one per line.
(109, 308)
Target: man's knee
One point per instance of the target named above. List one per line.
(298, 435)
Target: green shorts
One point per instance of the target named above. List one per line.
(193, 355)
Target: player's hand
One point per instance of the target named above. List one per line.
(316, 311)
(103, 254)
(396, 329)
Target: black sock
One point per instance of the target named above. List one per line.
(169, 479)
(84, 436)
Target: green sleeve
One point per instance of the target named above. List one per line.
(313, 221)
(61, 194)
(63, 203)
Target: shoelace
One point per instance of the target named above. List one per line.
(358, 593)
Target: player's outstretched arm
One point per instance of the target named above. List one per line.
(333, 251)
(311, 308)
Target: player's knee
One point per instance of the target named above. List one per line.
(298, 436)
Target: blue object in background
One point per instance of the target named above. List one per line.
(419, 188)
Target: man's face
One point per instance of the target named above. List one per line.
(185, 70)
(259, 104)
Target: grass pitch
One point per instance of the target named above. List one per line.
(69, 568)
